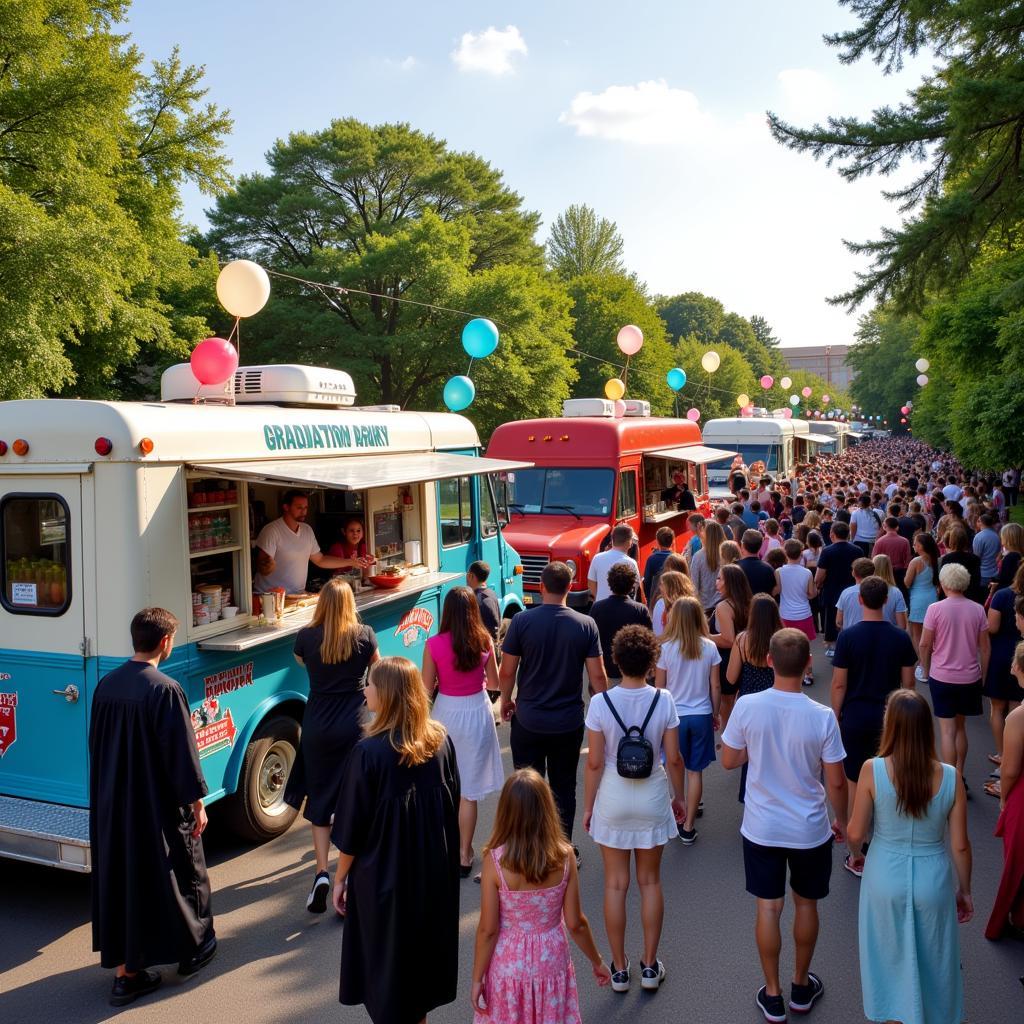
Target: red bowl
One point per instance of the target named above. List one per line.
(386, 582)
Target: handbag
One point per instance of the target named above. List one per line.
(634, 757)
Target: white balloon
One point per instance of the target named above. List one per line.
(711, 361)
(922, 380)
(243, 287)
(922, 365)
(785, 383)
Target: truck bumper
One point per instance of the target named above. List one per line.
(43, 833)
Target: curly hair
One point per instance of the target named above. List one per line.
(635, 650)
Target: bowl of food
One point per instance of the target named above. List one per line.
(387, 579)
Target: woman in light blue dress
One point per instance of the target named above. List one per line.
(910, 903)
(920, 580)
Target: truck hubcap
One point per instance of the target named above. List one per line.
(277, 764)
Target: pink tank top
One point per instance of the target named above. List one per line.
(453, 682)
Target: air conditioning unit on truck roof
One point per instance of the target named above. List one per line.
(288, 384)
(603, 407)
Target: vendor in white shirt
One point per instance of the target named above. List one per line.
(286, 546)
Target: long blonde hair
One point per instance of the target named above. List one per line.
(686, 624)
(403, 711)
(675, 585)
(714, 538)
(336, 613)
(883, 569)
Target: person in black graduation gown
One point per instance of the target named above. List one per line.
(397, 829)
(150, 889)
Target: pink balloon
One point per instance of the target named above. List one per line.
(767, 381)
(806, 392)
(747, 410)
(904, 409)
(903, 420)
(787, 414)
(213, 361)
(630, 339)
(620, 408)
(693, 414)
(826, 399)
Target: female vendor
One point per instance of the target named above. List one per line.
(352, 545)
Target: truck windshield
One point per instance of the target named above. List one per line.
(751, 452)
(585, 492)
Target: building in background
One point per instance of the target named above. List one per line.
(827, 361)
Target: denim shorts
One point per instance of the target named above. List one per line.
(696, 741)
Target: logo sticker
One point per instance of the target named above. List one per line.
(214, 728)
(414, 621)
(8, 721)
(229, 680)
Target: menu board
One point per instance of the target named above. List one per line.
(387, 534)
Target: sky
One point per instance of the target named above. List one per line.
(651, 112)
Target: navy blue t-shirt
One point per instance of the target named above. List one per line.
(837, 560)
(553, 643)
(874, 655)
(760, 575)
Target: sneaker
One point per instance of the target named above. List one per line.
(830, 653)
(807, 680)
(578, 856)
(126, 990)
(620, 979)
(700, 809)
(652, 975)
(316, 901)
(803, 997)
(689, 837)
(919, 674)
(855, 867)
(772, 1007)
(200, 958)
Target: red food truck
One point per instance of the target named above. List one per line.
(591, 471)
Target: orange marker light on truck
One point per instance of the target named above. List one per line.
(517, 571)
(20, 447)
(145, 446)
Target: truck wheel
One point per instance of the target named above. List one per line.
(257, 811)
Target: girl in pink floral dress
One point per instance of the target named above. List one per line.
(530, 895)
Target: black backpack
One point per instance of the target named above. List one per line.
(634, 758)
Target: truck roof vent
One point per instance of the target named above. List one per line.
(637, 407)
(287, 384)
(589, 407)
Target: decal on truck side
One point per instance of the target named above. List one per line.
(413, 622)
(215, 730)
(8, 721)
(229, 680)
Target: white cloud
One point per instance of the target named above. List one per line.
(406, 64)
(491, 51)
(806, 93)
(648, 113)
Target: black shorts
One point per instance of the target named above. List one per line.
(810, 871)
(860, 741)
(952, 699)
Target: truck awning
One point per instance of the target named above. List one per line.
(820, 438)
(697, 453)
(357, 473)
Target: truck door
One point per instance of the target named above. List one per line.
(455, 517)
(43, 698)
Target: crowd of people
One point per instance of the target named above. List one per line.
(902, 561)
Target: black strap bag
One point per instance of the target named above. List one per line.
(634, 758)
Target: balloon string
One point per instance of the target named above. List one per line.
(625, 374)
(470, 367)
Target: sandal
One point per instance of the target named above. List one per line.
(996, 759)
(993, 788)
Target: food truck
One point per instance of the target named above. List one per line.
(591, 471)
(781, 444)
(108, 507)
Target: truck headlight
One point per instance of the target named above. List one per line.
(572, 567)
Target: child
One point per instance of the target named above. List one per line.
(796, 591)
(772, 541)
(522, 972)
(674, 585)
(689, 667)
(775, 558)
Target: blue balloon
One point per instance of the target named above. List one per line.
(479, 338)
(676, 379)
(459, 393)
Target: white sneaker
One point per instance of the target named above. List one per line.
(652, 975)
(620, 979)
(919, 674)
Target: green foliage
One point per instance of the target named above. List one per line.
(739, 333)
(602, 303)
(94, 152)
(763, 332)
(883, 359)
(714, 394)
(692, 315)
(583, 243)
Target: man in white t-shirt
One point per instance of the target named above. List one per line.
(788, 741)
(286, 546)
(597, 578)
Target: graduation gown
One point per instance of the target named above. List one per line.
(400, 951)
(150, 889)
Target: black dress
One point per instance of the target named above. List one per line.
(331, 725)
(400, 951)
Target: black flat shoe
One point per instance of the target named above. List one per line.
(126, 990)
(465, 870)
(202, 956)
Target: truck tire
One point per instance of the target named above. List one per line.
(257, 811)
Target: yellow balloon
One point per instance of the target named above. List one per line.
(614, 389)
(743, 400)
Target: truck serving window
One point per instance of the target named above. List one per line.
(36, 561)
(456, 511)
(551, 490)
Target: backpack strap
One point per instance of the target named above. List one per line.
(650, 711)
(615, 713)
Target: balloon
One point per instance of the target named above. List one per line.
(747, 410)
(614, 389)
(903, 419)
(767, 381)
(787, 414)
(922, 365)
(676, 379)
(459, 393)
(479, 338)
(905, 409)
(213, 361)
(711, 361)
(826, 399)
(910, 405)
(806, 392)
(693, 414)
(243, 287)
(620, 408)
(785, 383)
(742, 400)
(922, 380)
(630, 339)
(794, 399)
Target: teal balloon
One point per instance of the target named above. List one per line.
(676, 379)
(479, 339)
(459, 393)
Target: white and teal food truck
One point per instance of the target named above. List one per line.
(108, 507)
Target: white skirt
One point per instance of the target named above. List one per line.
(470, 724)
(633, 814)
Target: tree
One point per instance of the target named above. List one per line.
(964, 122)
(763, 332)
(883, 360)
(602, 303)
(692, 315)
(738, 333)
(714, 394)
(392, 211)
(583, 243)
(94, 153)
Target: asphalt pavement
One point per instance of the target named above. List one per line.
(278, 963)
